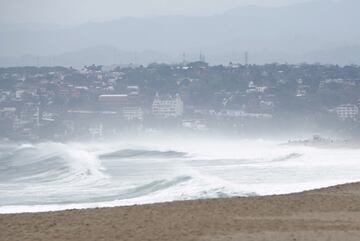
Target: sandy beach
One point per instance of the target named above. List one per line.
(325, 214)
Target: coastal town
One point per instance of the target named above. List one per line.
(58, 103)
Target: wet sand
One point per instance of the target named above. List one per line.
(325, 214)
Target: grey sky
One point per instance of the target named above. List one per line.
(80, 11)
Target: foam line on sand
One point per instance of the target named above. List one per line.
(325, 214)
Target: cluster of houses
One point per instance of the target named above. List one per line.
(63, 101)
(348, 112)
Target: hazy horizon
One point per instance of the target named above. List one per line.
(49, 33)
(79, 12)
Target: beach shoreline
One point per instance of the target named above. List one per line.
(325, 214)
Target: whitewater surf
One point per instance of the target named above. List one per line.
(58, 176)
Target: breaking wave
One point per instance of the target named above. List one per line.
(49, 162)
(56, 176)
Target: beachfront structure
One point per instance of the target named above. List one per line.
(347, 112)
(167, 106)
(113, 99)
(133, 113)
(113, 102)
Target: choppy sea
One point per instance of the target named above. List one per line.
(58, 176)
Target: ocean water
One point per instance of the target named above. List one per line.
(58, 176)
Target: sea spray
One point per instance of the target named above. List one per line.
(57, 176)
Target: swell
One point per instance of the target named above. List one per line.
(105, 195)
(138, 153)
(143, 190)
(287, 157)
(48, 162)
(241, 161)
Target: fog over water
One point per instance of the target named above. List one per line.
(55, 176)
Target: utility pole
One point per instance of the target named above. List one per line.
(246, 58)
(202, 57)
(115, 56)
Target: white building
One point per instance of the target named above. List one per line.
(243, 114)
(301, 92)
(133, 113)
(8, 113)
(347, 112)
(168, 106)
(252, 88)
(133, 90)
(197, 125)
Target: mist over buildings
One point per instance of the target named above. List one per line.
(274, 68)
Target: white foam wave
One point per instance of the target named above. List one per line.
(55, 176)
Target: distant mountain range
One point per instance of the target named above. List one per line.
(323, 31)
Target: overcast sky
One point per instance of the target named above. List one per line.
(81, 11)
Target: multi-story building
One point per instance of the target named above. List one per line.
(347, 112)
(133, 113)
(7, 113)
(113, 101)
(168, 106)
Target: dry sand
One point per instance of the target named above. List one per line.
(326, 214)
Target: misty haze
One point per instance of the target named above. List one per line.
(182, 120)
